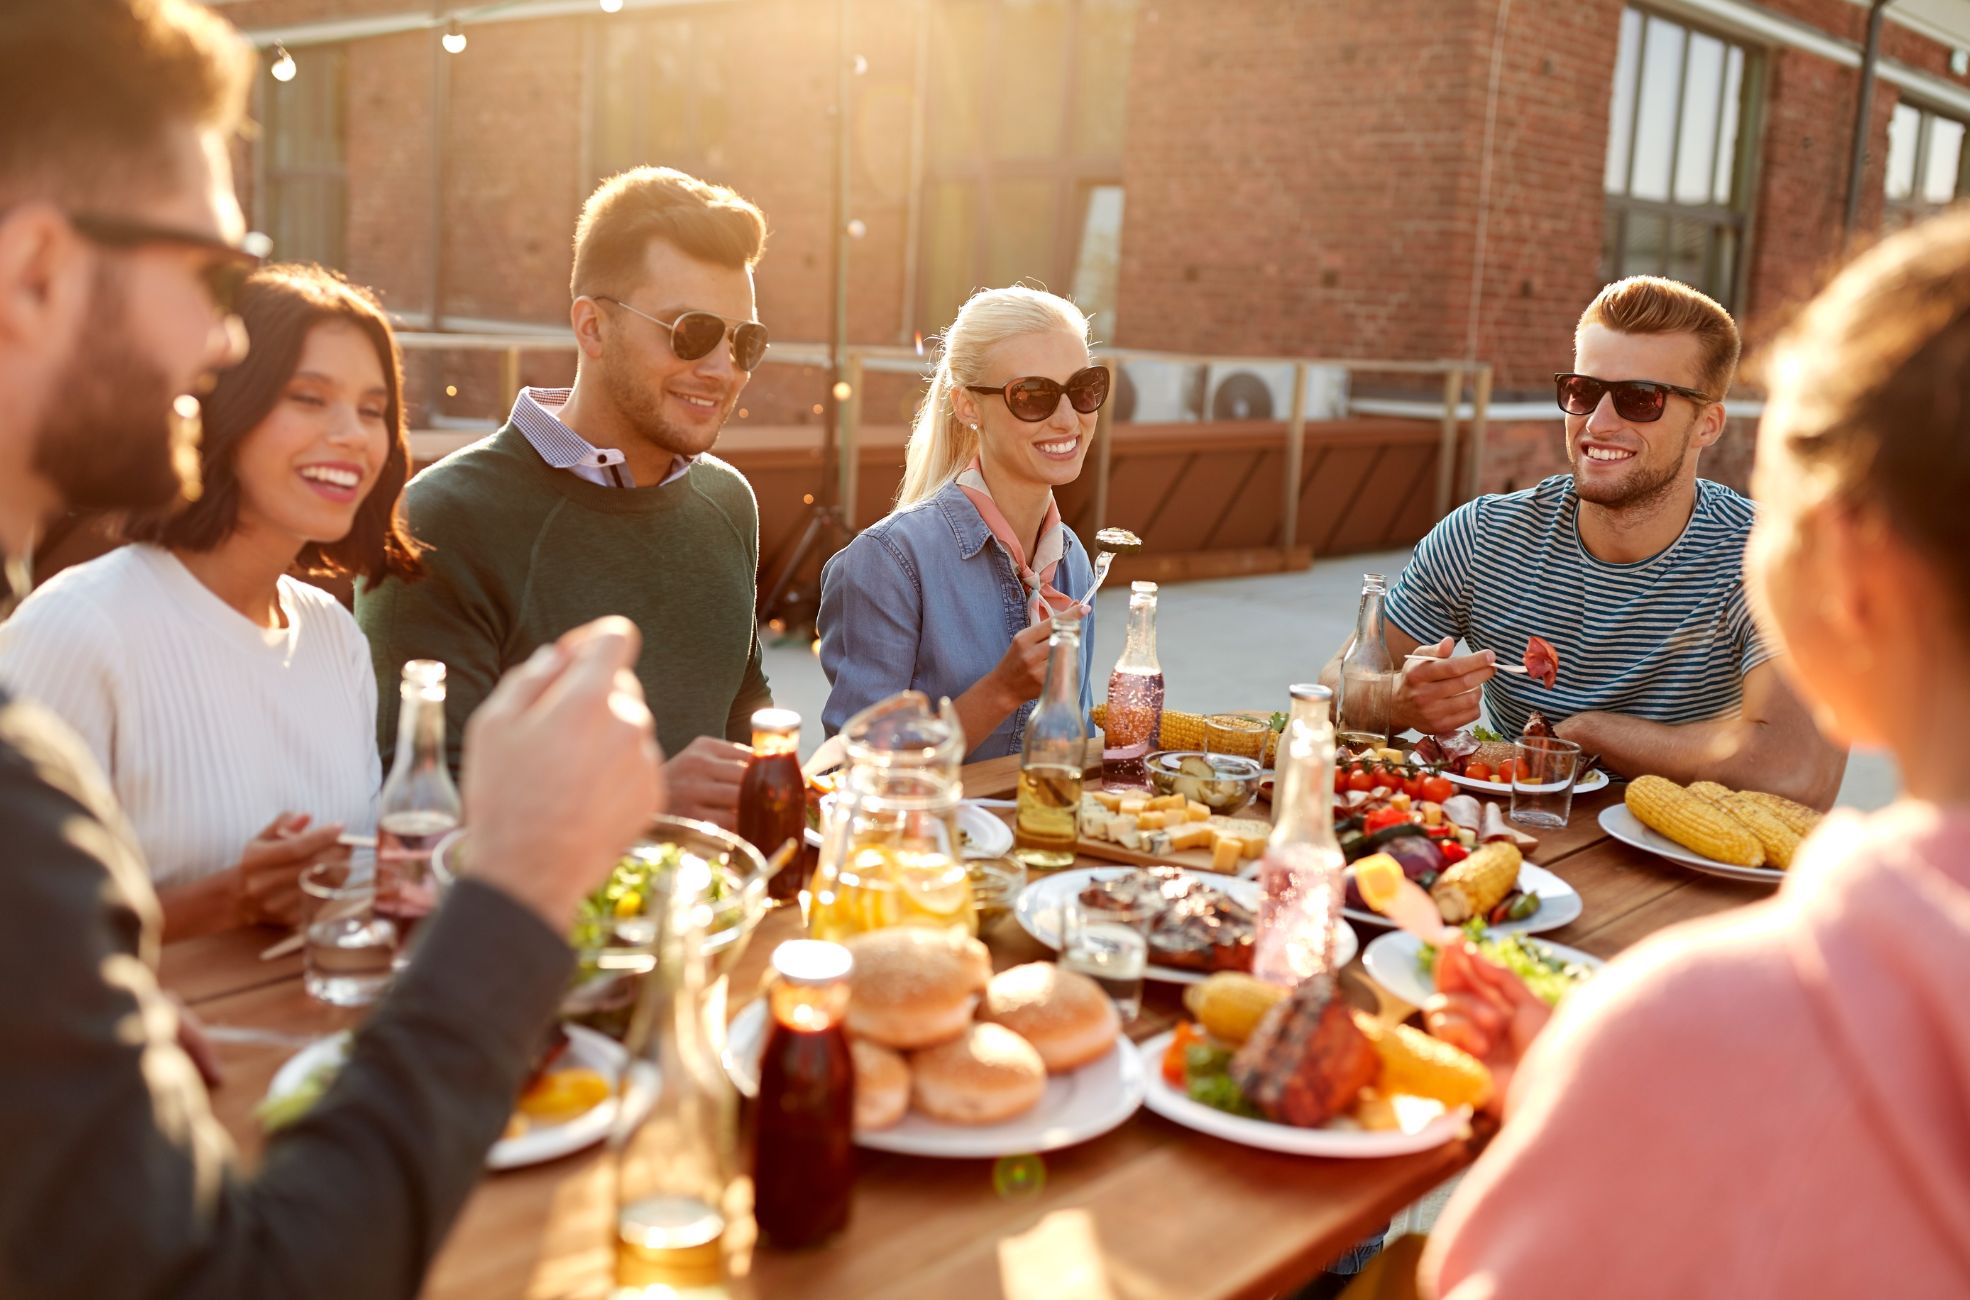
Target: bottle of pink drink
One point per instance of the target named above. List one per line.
(1135, 699)
(1300, 913)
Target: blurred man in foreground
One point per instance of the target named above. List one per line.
(120, 245)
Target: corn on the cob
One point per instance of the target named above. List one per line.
(1230, 1004)
(1476, 885)
(1712, 791)
(1415, 1063)
(1693, 821)
(1779, 840)
(1798, 816)
(1185, 731)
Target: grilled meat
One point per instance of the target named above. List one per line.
(1307, 1061)
(1190, 925)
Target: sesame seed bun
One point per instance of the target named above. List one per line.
(987, 1075)
(914, 987)
(882, 1086)
(1062, 1013)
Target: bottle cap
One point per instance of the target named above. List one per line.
(1312, 691)
(812, 962)
(1143, 588)
(781, 720)
(424, 672)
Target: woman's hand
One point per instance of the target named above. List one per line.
(1022, 673)
(1486, 1010)
(269, 868)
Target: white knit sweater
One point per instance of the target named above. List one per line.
(207, 724)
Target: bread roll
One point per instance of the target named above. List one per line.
(1062, 1013)
(988, 1075)
(882, 1086)
(913, 987)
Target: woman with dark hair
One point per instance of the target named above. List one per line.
(231, 703)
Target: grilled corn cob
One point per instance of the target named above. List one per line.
(1415, 1063)
(1476, 885)
(1711, 790)
(1230, 1004)
(1780, 840)
(1694, 822)
(1798, 816)
(1185, 731)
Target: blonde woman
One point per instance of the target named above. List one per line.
(954, 591)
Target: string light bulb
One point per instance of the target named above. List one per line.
(454, 38)
(611, 6)
(283, 67)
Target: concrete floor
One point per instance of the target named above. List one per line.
(1239, 643)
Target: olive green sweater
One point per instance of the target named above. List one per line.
(521, 552)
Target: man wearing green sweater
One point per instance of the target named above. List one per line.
(602, 499)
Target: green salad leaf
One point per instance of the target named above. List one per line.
(1485, 733)
(1207, 1079)
(1549, 976)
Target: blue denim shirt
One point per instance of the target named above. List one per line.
(927, 599)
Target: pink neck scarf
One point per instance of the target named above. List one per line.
(1044, 600)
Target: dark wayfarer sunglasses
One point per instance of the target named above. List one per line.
(222, 276)
(1035, 397)
(1638, 400)
(695, 333)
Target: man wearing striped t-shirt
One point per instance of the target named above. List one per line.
(1631, 566)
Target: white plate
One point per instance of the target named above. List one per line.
(1077, 1106)
(1594, 780)
(1391, 962)
(1559, 904)
(586, 1049)
(1425, 1124)
(1617, 821)
(986, 834)
(1038, 910)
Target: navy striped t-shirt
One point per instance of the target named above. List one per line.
(1668, 638)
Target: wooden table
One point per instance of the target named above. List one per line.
(1149, 1211)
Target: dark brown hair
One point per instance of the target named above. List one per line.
(1886, 412)
(90, 91)
(279, 306)
(711, 223)
(1651, 304)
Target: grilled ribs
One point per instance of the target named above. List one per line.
(1306, 1062)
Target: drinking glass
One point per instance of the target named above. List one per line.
(1107, 945)
(348, 950)
(1236, 733)
(1543, 772)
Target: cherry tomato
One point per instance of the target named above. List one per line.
(1505, 771)
(1360, 780)
(1413, 786)
(1340, 780)
(1478, 771)
(1436, 789)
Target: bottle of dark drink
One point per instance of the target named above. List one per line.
(803, 1165)
(773, 797)
(1135, 699)
(419, 804)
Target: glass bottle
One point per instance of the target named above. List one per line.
(891, 851)
(1367, 680)
(1299, 913)
(1053, 758)
(803, 1166)
(419, 804)
(1135, 699)
(773, 798)
(674, 1146)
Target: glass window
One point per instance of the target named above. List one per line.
(307, 170)
(1027, 116)
(1925, 171)
(661, 91)
(1675, 193)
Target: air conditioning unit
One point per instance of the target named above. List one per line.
(1161, 392)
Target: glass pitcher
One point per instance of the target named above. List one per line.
(891, 850)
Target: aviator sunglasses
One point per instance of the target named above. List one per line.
(1640, 401)
(695, 333)
(1035, 397)
(222, 276)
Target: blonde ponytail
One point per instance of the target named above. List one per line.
(940, 446)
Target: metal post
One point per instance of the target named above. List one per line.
(1104, 439)
(1480, 409)
(1863, 115)
(1289, 510)
(509, 380)
(1446, 457)
(849, 451)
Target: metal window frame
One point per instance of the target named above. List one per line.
(1740, 214)
(1916, 206)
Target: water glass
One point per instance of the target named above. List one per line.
(1107, 945)
(1543, 772)
(348, 950)
(1236, 733)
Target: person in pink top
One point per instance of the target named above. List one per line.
(1776, 1101)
